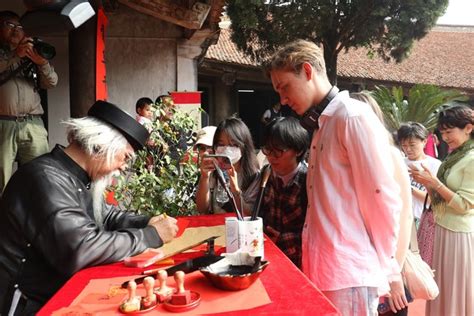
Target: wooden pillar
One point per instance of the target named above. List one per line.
(82, 59)
(224, 102)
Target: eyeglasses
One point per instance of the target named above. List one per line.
(277, 153)
(12, 26)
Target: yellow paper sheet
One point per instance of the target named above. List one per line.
(192, 235)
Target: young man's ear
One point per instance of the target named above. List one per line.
(308, 70)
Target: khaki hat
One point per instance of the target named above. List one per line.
(205, 136)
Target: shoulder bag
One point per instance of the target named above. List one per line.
(417, 274)
(426, 231)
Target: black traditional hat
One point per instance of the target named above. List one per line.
(133, 131)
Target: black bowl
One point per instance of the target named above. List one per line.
(235, 278)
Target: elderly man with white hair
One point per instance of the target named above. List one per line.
(54, 219)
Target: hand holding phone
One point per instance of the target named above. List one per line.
(416, 165)
(384, 306)
(222, 161)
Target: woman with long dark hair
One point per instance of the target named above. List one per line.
(233, 139)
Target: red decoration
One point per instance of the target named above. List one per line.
(186, 97)
(100, 70)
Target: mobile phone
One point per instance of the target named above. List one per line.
(416, 166)
(223, 161)
(384, 307)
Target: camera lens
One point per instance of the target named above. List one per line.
(45, 50)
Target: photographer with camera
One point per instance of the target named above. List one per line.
(23, 71)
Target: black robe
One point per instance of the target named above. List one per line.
(48, 232)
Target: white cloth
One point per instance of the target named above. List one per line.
(146, 122)
(433, 165)
(267, 114)
(290, 176)
(143, 120)
(15, 300)
(352, 222)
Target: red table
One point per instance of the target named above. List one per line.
(289, 289)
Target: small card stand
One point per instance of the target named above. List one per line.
(246, 236)
(231, 234)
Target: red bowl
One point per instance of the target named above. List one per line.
(230, 282)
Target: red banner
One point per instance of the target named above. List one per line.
(186, 97)
(100, 71)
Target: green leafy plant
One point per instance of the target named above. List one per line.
(163, 177)
(421, 105)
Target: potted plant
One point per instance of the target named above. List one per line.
(163, 178)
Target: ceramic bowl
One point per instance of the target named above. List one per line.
(234, 277)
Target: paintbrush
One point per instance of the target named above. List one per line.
(221, 179)
(256, 208)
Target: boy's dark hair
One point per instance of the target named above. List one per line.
(456, 116)
(286, 133)
(411, 130)
(142, 102)
(5, 15)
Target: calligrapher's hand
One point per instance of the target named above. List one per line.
(165, 226)
(397, 299)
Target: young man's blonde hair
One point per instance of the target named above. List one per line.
(292, 56)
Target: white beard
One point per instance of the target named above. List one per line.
(98, 199)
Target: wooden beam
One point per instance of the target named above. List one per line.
(169, 11)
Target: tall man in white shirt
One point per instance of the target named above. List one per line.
(351, 227)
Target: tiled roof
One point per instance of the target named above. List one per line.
(226, 51)
(444, 57)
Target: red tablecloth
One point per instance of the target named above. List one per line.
(289, 289)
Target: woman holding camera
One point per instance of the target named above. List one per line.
(452, 200)
(233, 139)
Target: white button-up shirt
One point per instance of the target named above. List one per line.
(352, 221)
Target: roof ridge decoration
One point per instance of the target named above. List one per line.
(168, 10)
